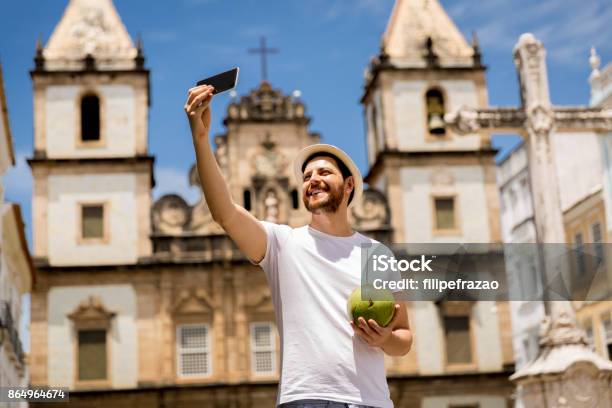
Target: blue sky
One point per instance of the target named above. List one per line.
(324, 47)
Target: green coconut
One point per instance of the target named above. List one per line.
(377, 304)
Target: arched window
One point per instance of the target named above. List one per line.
(434, 101)
(295, 199)
(90, 118)
(246, 199)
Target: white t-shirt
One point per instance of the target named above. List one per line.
(311, 275)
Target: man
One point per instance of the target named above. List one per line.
(327, 361)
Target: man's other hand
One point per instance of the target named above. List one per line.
(372, 333)
(395, 339)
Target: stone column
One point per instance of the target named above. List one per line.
(566, 372)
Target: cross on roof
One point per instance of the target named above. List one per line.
(263, 50)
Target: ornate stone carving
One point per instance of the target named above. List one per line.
(464, 120)
(266, 104)
(91, 313)
(90, 28)
(91, 33)
(595, 119)
(170, 215)
(469, 120)
(566, 371)
(268, 162)
(372, 213)
(540, 120)
(193, 301)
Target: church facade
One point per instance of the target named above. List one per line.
(142, 303)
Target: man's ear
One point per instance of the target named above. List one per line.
(349, 183)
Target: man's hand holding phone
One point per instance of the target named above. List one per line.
(197, 108)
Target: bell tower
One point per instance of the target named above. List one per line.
(441, 187)
(432, 177)
(92, 171)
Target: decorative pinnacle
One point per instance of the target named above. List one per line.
(39, 59)
(477, 56)
(475, 44)
(39, 46)
(139, 59)
(594, 61)
(430, 56)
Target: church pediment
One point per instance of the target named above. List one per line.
(91, 312)
(413, 22)
(193, 301)
(90, 27)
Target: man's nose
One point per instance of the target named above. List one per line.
(315, 178)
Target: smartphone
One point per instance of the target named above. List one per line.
(222, 82)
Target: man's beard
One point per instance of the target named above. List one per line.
(330, 204)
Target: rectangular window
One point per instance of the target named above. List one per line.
(445, 213)
(92, 221)
(92, 355)
(193, 350)
(598, 244)
(579, 254)
(90, 118)
(458, 340)
(263, 349)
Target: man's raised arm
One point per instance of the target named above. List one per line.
(242, 227)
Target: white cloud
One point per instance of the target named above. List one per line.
(170, 180)
(18, 181)
(567, 28)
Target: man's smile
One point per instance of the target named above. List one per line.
(316, 191)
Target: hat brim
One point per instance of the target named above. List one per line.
(308, 151)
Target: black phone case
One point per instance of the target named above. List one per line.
(221, 82)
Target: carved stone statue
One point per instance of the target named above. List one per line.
(271, 205)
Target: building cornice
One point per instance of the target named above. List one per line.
(408, 156)
(40, 161)
(143, 264)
